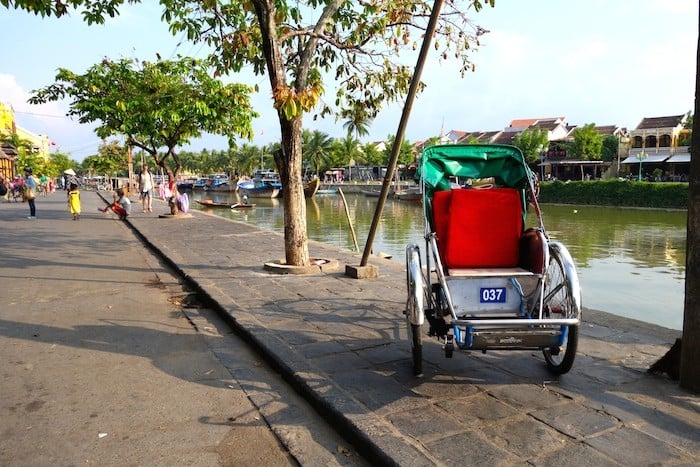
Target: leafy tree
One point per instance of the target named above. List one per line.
(111, 160)
(432, 141)
(345, 150)
(371, 155)
(155, 105)
(610, 148)
(58, 162)
(248, 158)
(587, 145)
(297, 43)
(317, 149)
(531, 143)
(688, 121)
(406, 155)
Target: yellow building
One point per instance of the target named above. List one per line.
(8, 126)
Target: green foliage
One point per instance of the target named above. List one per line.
(587, 145)
(406, 155)
(344, 150)
(111, 160)
(317, 150)
(296, 43)
(616, 193)
(155, 105)
(531, 143)
(370, 155)
(610, 148)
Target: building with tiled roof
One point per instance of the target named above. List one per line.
(660, 143)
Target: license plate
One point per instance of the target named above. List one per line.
(492, 295)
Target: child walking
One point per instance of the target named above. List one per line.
(74, 201)
(121, 205)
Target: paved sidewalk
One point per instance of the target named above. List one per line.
(100, 365)
(341, 342)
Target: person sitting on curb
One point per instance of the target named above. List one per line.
(121, 205)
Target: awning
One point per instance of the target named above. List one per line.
(679, 158)
(651, 158)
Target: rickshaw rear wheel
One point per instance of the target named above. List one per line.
(416, 339)
(561, 359)
(559, 302)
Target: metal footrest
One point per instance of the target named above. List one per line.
(508, 338)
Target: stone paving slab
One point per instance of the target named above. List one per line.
(342, 342)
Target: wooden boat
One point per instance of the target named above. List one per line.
(212, 204)
(311, 187)
(412, 194)
(253, 189)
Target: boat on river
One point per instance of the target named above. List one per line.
(225, 185)
(213, 204)
(412, 194)
(311, 187)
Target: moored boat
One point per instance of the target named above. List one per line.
(222, 185)
(264, 184)
(311, 187)
(253, 189)
(213, 204)
(412, 194)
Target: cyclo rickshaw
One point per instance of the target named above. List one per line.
(489, 282)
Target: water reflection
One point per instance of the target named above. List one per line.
(631, 262)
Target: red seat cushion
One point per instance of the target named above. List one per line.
(478, 228)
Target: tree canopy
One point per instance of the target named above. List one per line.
(155, 105)
(531, 143)
(300, 45)
(588, 143)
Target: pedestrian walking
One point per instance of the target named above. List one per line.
(30, 185)
(74, 201)
(146, 188)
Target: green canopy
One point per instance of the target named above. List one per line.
(475, 161)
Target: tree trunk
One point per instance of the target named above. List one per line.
(690, 350)
(288, 161)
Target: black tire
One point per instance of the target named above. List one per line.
(416, 340)
(561, 359)
(559, 303)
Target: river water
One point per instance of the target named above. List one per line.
(631, 262)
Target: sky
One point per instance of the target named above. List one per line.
(603, 62)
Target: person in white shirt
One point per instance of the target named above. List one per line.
(146, 188)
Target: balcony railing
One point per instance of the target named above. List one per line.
(661, 151)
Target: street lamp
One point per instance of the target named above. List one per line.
(641, 156)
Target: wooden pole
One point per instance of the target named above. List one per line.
(347, 213)
(413, 89)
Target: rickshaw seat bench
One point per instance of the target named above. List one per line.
(478, 228)
(489, 272)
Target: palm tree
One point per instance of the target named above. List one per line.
(248, 158)
(316, 147)
(357, 122)
(346, 150)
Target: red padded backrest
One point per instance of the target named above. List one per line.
(441, 218)
(478, 228)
